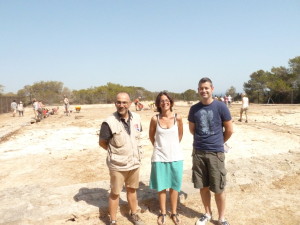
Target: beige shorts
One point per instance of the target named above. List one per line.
(118, 178)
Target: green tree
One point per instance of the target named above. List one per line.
(49, 92)
(256, 87)
(10, 94)
(281, 84)
(25, 94)
(295, 69)
(232, 92)
(66, 92)
(190, 95)
(295, 66)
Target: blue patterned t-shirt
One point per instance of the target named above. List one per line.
(208, 120)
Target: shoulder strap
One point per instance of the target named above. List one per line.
(157, 118)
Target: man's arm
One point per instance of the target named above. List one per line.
(105, 135)
(192, 127)
(228, 130)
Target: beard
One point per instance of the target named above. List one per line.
(122, 111)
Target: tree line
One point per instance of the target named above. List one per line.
(280, 85)
(52, 92)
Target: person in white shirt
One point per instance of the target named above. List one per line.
(20, 109)
(244, 108)
(35, 106)
(13, 107)
(229, 100)
(165, 133)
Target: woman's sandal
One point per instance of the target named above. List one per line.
(161, 219)
(175, 218)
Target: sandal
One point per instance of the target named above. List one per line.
(161, 221)
(175, 218)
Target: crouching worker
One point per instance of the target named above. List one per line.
(119, 135)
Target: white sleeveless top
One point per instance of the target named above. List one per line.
(166, 145)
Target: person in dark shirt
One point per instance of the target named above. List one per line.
(211, 125)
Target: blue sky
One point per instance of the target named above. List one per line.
(158, 45)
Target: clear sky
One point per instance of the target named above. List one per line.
(155, 44)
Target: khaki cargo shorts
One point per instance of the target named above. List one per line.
(118, 178)
(209, 170)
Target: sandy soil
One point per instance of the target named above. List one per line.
(54, 172)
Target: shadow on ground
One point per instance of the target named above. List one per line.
(147, 197)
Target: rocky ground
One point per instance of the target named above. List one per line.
(54, 172)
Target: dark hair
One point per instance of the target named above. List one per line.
(157, 101)
(204, 80)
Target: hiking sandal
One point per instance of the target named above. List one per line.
(161, 219)
(175, 218)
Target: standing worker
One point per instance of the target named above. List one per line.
(138, 104)
(13, 107)
(210, 124)
(244, 107)
(119, 136)
(67, 105)
(20, 109)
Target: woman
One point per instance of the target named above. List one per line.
(165, 134)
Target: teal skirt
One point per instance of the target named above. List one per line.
(166, 175)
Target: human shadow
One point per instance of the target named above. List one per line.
(147, 199)
(183, 208)
(97, 197)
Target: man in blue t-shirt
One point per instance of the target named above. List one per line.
(210, 124)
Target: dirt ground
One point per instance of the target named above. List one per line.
(54, 172)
